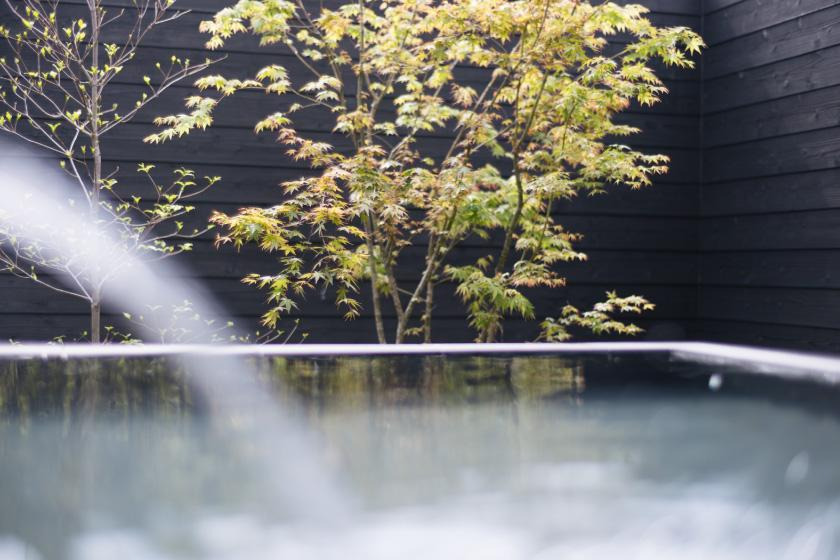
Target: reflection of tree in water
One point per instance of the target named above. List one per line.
(428, 380)
(402, 429)
(118, 436)
(52, 415)
(73, 390)
(78, 390)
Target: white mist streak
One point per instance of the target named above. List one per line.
(34, 202)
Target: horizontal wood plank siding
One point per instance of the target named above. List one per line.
(769, 265)
(638, 241)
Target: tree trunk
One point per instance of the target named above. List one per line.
(377, 309)
(94, 110)
(95, 321)
(427, 316)
(394, 288)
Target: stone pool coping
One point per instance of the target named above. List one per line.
(776, 362)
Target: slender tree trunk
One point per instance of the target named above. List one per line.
(394, 288)
(374, 293)
(489, 336)
(431, 270)
(377, 309)
(427, 316)
(95, 321)
(96, 298)
(96, 187)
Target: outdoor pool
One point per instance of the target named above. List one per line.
(631, 453)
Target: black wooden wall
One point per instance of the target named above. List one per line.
(770, 204)
(638, 242)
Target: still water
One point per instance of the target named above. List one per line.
(509, 458)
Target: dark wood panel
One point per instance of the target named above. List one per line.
(798, 36)
(819, 229)
(661, 199)
(785, 306)
(36, 328)
(783, 269)
(790, 77)
(175, 36)
(774, 336)
(750, 16)
(801, 191)
(710, 6)
(803, 112)
(32, 328)
(770, 239)
(239, 300)
(770, 277)
(22, 328)
(809, 151)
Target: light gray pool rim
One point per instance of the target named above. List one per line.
(825, 369)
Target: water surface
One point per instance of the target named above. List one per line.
(450, 458)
